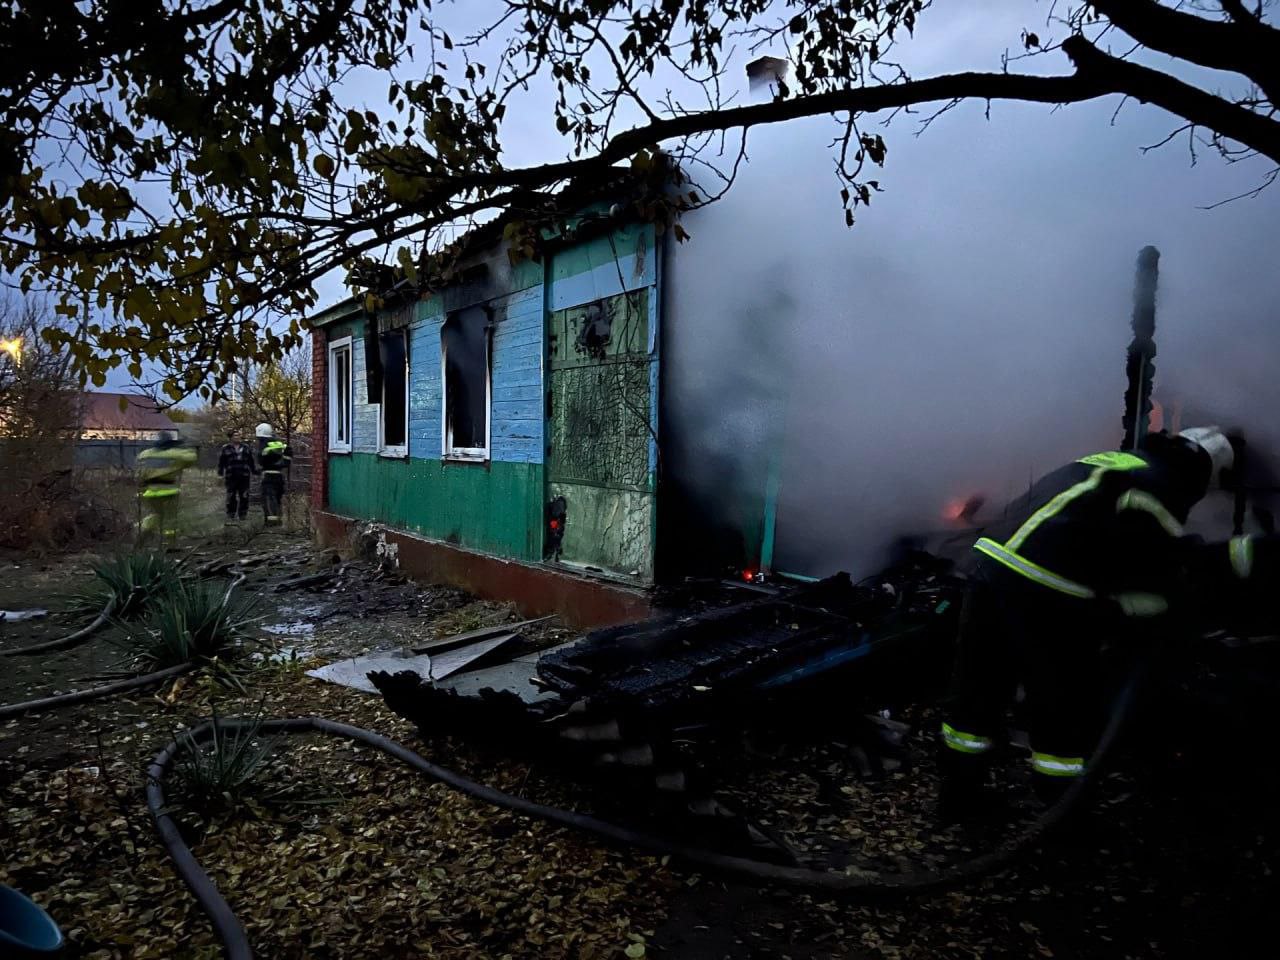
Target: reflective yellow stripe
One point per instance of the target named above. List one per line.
(1052, 766)
(1141, 500)
(1142, 604)
(1240, 549)
(1032, 571)
(152, 492)
(1114, 460)
(1056, 506)
(964, 742)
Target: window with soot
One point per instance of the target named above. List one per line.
(464, 345)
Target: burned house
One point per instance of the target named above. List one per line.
(572, 429)
(502, 428)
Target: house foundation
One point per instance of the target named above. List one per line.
(536, 589)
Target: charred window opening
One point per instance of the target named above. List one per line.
(464, 344)
(393, 351)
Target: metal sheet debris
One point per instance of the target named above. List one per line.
(455, 661)
(440, 644)
(515, 676)
(17, 616)
(354, 672)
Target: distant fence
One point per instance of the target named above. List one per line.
(118, 454)
(121, 454)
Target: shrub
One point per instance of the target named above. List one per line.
(193, 621)
(132, 582)
(212, 774)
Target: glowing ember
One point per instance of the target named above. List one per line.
(963, 511)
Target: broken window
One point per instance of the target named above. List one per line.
(393, 418)
(464, 347)
(340, 395)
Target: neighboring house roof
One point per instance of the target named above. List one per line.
(102, 411)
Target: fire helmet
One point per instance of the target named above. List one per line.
(1215, 443)
(264, 430)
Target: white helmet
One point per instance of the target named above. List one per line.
(1215, 443)
(264, 430)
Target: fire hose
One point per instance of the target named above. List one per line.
(70, 640)
(94, 693)
(861, 884)
(107, 689)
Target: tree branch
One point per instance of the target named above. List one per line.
(1252, 49)
(1179, 98)
(1237, 11)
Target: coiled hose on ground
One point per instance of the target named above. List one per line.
(860, 885)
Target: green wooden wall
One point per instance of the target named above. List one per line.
(494, 508)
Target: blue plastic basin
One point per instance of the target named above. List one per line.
(25, 929)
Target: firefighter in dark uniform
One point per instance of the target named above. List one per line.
(1091, 554)
(275, 457)
(236, 467)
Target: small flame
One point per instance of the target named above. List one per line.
(13, 348)
(963, 510)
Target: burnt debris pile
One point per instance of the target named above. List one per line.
(642, 710)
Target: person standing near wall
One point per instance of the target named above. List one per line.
(275, 457)
(236, 467)
(159, 473)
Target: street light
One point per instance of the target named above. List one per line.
(13, 348)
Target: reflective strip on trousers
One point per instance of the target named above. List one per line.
(1141, 500)
(1032, 571)
(1240, 550)
(964, 742)
(1052, 766)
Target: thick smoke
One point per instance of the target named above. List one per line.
(965, 337)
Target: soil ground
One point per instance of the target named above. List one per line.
(335, 851)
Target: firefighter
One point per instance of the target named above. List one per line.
(159, 473)
(236, 467)
(1091, 554)
(275, 456)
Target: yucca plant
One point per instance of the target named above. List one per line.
(130, 582)
(213, 773)
(193, 621)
